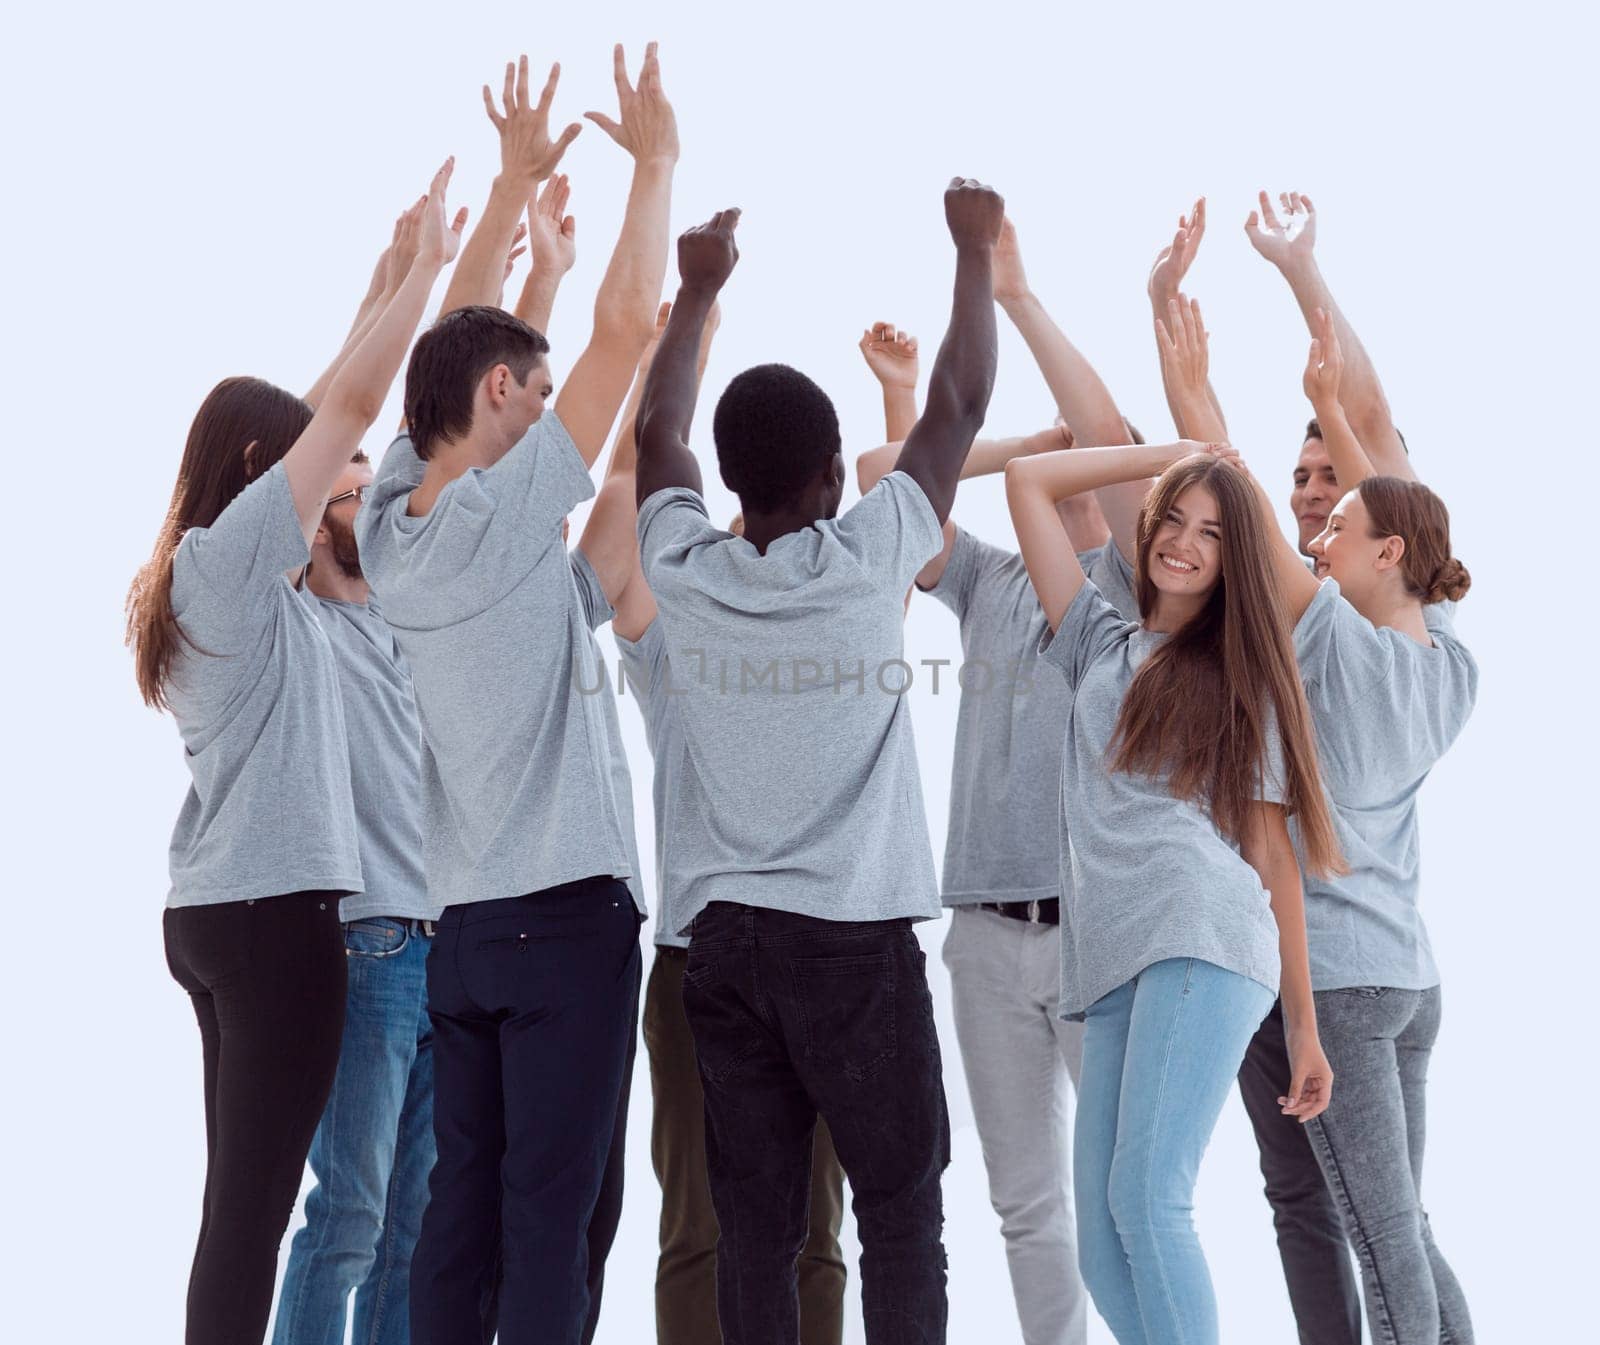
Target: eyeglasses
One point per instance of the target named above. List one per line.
(357, 495)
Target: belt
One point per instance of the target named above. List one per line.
(1047, 912)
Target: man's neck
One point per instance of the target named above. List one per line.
(330, 582)
(762, 530)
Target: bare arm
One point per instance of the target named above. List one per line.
(1290, 246)
(553, 247)
(355, 395)
(625, 306)
(527, 157)
(1298, 584)
(1324, 378)
(1266, 847)
(1035, 485)
(707, 255)
(963, 371)
(1166, 279)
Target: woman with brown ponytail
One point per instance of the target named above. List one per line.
(266, 842)
(1390, 687)
(1188, 745)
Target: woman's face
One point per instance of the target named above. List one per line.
(1185, 557)
(1346, 550)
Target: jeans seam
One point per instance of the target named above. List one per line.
(1161, 1093)
(1369, 1264)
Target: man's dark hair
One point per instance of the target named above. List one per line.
(774, 429)
(453, 354)
(1314, 431)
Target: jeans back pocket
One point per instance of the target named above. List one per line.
(847, 1011)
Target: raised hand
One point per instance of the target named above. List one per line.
(438, 242)
(974, 213)
(1010, 280)
(891, 355)
(1185, 355)
(527, 154)
(516, 249)
(1166, 276)
(1325, 364)
(552, 233)
(1285, 242)
(649, 128)
(707, 253)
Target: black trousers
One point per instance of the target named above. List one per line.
(795, 1017)
(533, 1001)
(267, 980)
(1311, 1241)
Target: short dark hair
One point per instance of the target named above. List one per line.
(774, 429)
(453, 354)
(1314, 431)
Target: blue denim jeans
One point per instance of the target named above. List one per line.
(372, 1152)
(1159, 1056)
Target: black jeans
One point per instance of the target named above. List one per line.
(267, 980)
(1311, 1241)
(533, 1000)
(793, 1017)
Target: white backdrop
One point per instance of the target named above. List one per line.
(199, 191)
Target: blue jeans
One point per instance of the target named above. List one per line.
(1159, 1056)
(372, 1152)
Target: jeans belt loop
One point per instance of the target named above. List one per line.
(427, 928)
(1033, 912)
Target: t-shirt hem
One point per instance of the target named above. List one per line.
(1074, 1009)
(363, 907)
(278, 887)
(524, 883)
(747, 894)
(1346, 981)
(1001, 894)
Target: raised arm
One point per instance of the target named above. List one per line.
(625, 306)
(527, 157)
(1036, 485)
(355, 395)
(552, 247)
(610, 538)
(1166, 279)
(1290, 245)
(1298, 584)
(707, 255)
(963, 372)
(1323, 379)
(1184, 345)
(892, 357)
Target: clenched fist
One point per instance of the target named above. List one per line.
(707, 253)
(973, 212)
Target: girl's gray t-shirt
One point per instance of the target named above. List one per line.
(380, 716)
(646, 675)
(516, 764)
(255, 693)
(1385, 709)
(799, 790)
(1003, 842)
(1145, 876)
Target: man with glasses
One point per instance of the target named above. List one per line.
(374, 1147)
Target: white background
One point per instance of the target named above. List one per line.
(200, 191)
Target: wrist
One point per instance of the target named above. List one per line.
(697, 293)
(1015, 300)
(662, 161)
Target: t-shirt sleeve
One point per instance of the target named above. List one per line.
(1090, 627)
(541, 480)
(218, 573)
(892, 532)
(597, 609)
(962, 574)
(1111, 573)
(1273, 786)
(1341, 654)
(670, 520)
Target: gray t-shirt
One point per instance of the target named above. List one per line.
(516, 772)
(799, 790)
(380, 719)
(1385, 708)
(646, 675)
(1145, 876)
(269, 808)
(1005, 791)
(597, 611)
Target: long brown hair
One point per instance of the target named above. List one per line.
(243, 427)
(1410, 511)
(1199, 709)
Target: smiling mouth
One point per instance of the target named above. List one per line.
(1177, 566)
(1318, 519)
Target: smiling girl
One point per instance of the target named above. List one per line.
(1188, 746)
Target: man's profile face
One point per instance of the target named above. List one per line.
(1316, 491)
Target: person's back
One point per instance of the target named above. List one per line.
(799, 827)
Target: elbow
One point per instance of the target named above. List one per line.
(359, 407)
(625, 324)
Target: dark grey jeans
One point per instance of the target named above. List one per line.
(1369, 1143)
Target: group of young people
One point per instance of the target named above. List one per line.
(406, 894)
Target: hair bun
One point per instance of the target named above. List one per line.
(1451, 583)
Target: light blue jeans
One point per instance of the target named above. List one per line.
(1159, 1056)
(372, 1153)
